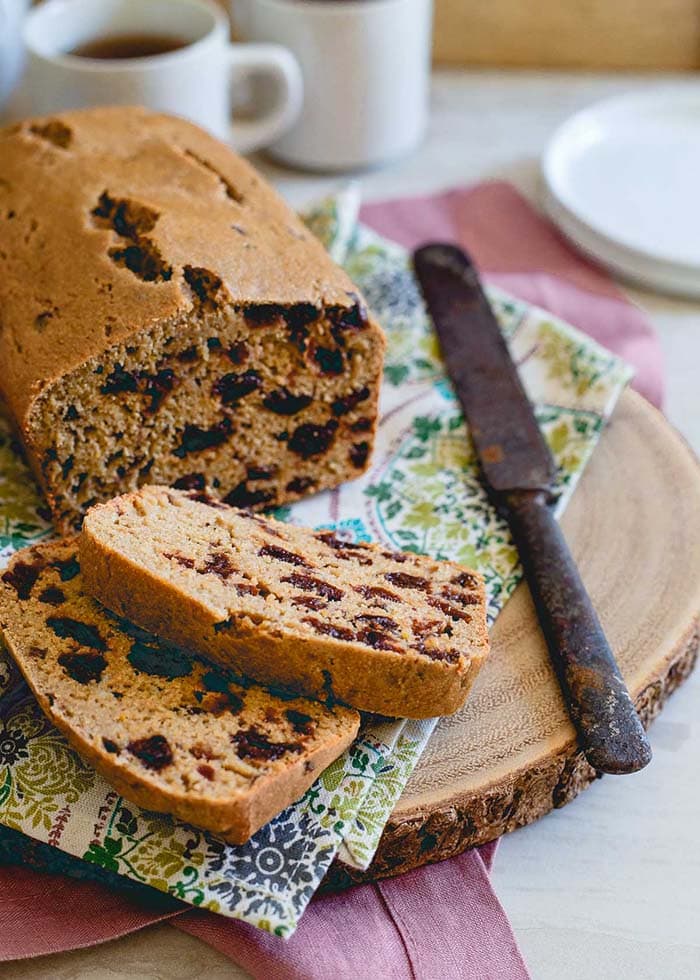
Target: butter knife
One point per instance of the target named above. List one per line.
(519, 473)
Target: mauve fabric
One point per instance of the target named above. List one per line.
(432, 924)
(520, 251)
(439, 922)
(42, 913)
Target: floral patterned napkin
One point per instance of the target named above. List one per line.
(423, 494)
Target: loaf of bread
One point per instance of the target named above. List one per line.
(168, 731)
(165, 317)
(383, 631)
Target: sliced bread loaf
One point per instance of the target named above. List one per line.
(388, 632)
(168, 731)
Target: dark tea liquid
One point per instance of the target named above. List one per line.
(120, 46)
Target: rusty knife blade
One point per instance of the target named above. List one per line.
(520, 471)
(506, 436)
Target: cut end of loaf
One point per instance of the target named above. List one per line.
(265, 404)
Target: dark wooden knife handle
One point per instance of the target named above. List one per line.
(610, 732)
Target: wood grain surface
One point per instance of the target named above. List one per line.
(569, 33)
(510, 755)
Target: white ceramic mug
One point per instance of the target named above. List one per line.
(11, 48)
(366, 67)
(197, 80)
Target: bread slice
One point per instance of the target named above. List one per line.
(166, 318)
(384, 631)
(168, 731)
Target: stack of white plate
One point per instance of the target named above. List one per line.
(622, 181)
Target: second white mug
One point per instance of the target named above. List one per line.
(366, 68)
(194, 80)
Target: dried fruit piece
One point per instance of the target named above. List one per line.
(238, 352)
(309, 602)
(358, 454)
(232, 387)
(377, 592)
(379, 641)
(406, 581)
(309, 440)
(329, 361)
(330, 629)
(243, 496)
(120, 380)
(219, 564)
(158, 386)
(281, 554)
(261, 472)
(283, 402)
(86, 634)
(154, 752)
(312, 584)
(23, 576)
(263, 315)
(53, 131)
(346, 403)
(159, 660)
(255, 744)
(300, 722)
(448, 608)
(191, 481)
(300, 484)
(189, 355)
(379, 622)
(180, 559)
(52, 595)
(196, 440)
(206, 287)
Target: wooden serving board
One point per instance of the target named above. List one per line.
(511, 755)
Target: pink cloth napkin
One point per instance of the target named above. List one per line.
(437, 922)
(428, 924)
(524, 254)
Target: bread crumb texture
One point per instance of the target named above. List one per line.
(385, 631)
(171, 732)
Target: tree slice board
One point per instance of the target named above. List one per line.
(510, 755)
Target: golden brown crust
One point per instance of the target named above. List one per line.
(170, 592)
(58, 287)
(103, 705)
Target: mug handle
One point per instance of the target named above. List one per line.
(282, 68)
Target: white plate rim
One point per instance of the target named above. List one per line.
(640, 270)
(644, 266)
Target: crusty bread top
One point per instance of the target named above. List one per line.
(77, 186)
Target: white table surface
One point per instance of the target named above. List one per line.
(609, 887)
